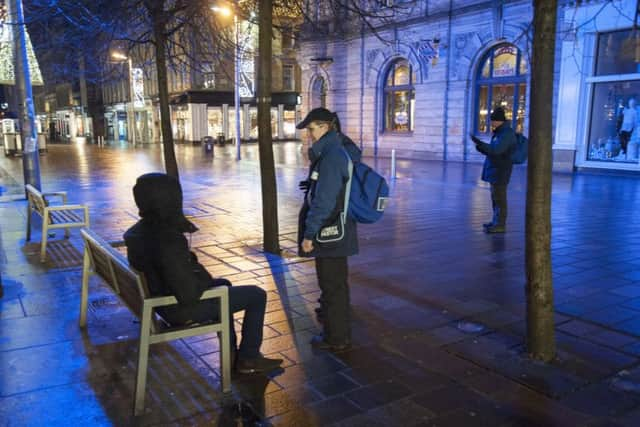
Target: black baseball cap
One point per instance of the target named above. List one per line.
(498, 115)
(319, 114)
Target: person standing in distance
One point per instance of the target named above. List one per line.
(323, 202)
(497, 167)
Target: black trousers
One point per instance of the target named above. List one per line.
(250, 299)
(624, 140)
(499, 203)
(332, 275)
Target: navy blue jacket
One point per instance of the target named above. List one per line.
(324, 199)
(497, 164)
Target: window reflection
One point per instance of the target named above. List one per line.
(618, 53)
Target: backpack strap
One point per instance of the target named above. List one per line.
(347, 192)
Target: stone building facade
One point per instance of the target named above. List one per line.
(432, 74)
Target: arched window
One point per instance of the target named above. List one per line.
(399, 97)
(501, 81)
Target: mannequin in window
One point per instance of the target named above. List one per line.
(627, 122)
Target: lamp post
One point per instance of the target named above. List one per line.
(130, 113)
(236, 75)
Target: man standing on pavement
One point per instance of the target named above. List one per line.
(497, 167)
(330, 157)
(156, 246)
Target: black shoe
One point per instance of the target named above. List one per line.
(495, 229)
(487, 224)
(318, 342)
(257, 365)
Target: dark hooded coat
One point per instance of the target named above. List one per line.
(157, 247)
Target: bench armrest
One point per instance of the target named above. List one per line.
(61, 194)
(217, 292)
(66, 207)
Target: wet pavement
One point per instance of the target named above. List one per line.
(438, 306)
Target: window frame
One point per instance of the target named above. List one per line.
(489, 82)
(389, 90)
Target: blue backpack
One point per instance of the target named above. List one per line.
(520, 150)
(369, 194)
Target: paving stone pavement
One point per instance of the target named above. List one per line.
(438, 306)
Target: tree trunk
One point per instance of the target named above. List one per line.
(26, 110)
(160, 38)
(265, 143)
(540, 325)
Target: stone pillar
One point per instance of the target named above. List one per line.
(280, 121)
(198, 121)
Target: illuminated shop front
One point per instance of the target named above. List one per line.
(599, 90)
(117, 123)
(196, 114)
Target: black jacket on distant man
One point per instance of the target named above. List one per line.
(497, 164)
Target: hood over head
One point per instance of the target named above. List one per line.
(159, 200)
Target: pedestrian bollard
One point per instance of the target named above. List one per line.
(393, 164)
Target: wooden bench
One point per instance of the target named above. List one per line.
(130, 286)
(53, 216)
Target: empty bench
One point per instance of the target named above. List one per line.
(53, 216)
(130, 286)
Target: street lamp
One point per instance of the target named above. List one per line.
(132, 121)
(225, 11)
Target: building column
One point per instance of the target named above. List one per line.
(280, 121)
(199, 121)
(225, 120)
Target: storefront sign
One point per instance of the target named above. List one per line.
(138, 87)
(401, 118)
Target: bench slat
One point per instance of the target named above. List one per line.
(63, 217)
(129, 290)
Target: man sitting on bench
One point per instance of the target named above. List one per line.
(157, 247)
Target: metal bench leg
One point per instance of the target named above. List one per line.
(28, 222)
(45, 235)
(143, 358)
(86, 264)
(225, 347)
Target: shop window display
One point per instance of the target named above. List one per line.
(214, 121)
(615, 111)
(289, 125)
(615, 116)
